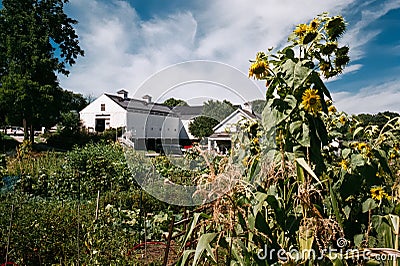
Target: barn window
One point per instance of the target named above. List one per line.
(103, 107)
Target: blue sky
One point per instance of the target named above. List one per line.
(128, 41)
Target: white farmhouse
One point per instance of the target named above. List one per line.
(146, 123)
(107, 111)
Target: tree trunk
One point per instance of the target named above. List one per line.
(25, 125)
(32, 134)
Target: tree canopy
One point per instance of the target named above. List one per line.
(379, 119)
(38, 40)
(202, 126)
(172, 102)
(217, 109)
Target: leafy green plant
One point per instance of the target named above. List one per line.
(310, 176)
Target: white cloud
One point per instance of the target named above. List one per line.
(356, 37)
(372, 99)
(122, 50)
(347, 70)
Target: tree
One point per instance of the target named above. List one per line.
(213, 113)
(172, 102)
(379, 119)
(217, 109)
(258, 106)
(202, 126)
(38, 41)
(73, 101)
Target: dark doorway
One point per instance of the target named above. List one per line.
(100, 125)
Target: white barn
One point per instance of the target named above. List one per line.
(146, 123)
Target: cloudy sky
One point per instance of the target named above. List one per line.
(128, 41)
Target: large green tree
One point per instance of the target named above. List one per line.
(37, 41)
(172, 102)
(202, 126)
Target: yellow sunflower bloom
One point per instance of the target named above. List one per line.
(301, 30)
(311, 101)
(377, 193)
(344, 164)
(258, 69)
(362, 145)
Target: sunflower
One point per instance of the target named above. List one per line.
(342, 119)
(362, 145)
(344, 164)
(301, 30)
(378, 193)
(332, 109)
(313, 25)
(258, 69)
(311, 101)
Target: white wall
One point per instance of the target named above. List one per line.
(145, 125)
(116, 114)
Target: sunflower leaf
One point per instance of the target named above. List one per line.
(295, 73)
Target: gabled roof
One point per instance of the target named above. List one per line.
(187, 112)
(133, 104)
(241, 111)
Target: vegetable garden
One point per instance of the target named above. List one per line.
(310, 185)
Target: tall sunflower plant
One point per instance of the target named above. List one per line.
(345, 174)
(307, 176)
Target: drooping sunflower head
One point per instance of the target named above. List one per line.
(258, 69)
(314, 24)
(378, 193)
(311, 101)
(301, 30)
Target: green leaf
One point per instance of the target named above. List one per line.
(368, 205)
(345, 153)
(305, 140)
(204, 244)
(295, 126)
(357, 160)
(192, 226)
(300, 173)
(306, 167)
(262, 225)
(276, 205)
(260, 197)
(347, 211)
(335, 205)
(295, 73)
(358, 239)
(185, 256)
(306, 240)
(358, 130)
(315, 78)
